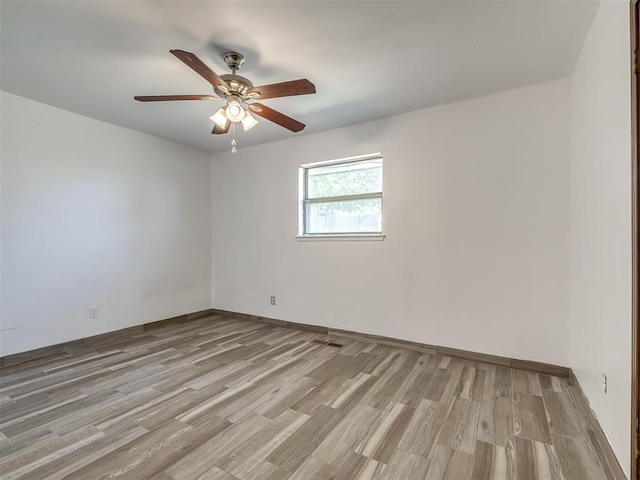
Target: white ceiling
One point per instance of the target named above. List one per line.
(367, 59)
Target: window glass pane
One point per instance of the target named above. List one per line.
(351, 216)
(345, 179)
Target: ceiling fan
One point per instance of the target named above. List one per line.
(237, 91)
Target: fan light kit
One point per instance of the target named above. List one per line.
(237, 91)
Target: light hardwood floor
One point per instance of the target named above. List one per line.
(223, 399)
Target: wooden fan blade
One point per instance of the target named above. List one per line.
(276, 117)
(169, 98)
(201, 69)
(284, 89)
(218, 130)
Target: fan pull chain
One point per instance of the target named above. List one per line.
(233, 138)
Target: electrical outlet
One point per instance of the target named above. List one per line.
(273, 300)
(604, 383)
(93, 312)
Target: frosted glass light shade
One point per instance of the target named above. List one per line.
(220, 118)
(235, 112)
(248, 121)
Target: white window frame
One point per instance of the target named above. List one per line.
(304, 201)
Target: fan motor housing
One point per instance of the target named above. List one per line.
(237, 84)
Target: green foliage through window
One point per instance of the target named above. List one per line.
(345, 179)
(343, 197)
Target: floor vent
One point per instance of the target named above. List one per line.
(329, 344)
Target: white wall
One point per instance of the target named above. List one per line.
(600, 278)
(476, 203)
(94, 214)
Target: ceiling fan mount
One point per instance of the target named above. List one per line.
(234, 60)
(237, 91)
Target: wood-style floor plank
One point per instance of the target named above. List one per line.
(222, 399)
(530, 418)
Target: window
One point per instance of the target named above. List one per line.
(341, 197)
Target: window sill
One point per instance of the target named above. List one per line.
(366, 237)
